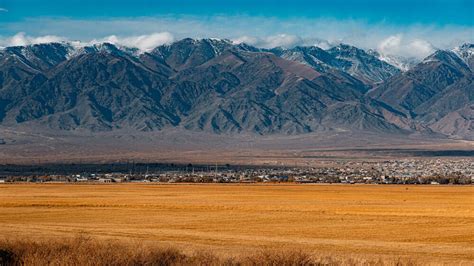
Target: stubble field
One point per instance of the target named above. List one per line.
(426, 224)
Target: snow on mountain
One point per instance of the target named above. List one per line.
(75, 48)
(466, 53)
(404, 64)
(400, 62)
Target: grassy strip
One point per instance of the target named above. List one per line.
(87, 251)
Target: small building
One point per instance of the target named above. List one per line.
(105, 180)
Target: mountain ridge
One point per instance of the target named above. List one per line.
(221, 87)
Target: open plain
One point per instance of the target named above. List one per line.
(428, 224)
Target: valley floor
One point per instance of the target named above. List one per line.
(23, 146)
(429, 224)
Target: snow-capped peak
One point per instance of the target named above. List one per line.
(79, 48)
(465, 52)
(402, 63)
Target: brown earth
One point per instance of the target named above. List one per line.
(23, 147)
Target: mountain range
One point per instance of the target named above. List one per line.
(220, 87)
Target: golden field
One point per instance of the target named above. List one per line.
(426, 224)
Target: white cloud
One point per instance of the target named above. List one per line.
(147, 32)
(282, 40)
(142, 42)
(246, 39)
(279, 40)
(409, 48)
(260, 29)
(22, 39)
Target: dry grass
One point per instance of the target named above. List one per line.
(86, 251)
(425, 224)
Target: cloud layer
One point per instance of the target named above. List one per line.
(21, 38)
(143, 42)
(409, 48)
(282, 40)
(145, 33)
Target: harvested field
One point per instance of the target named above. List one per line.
(423, 224)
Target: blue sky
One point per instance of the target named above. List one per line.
(395, 11)
(399, 26)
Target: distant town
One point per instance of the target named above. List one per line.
(439, 171)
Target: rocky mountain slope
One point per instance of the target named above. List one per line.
(438, 92)
(216, 86)
(352, 60)
(466, 53)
